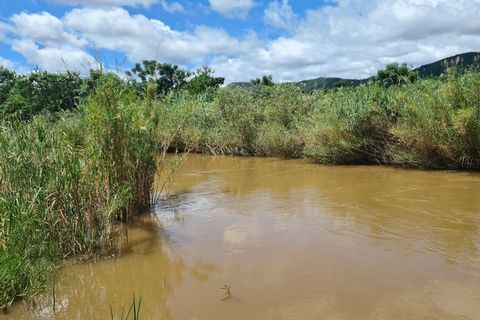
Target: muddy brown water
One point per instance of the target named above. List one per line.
(293, 241)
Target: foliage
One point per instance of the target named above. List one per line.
(7, 80)
(66, 184)
(439, 125)
(266, 80)
(430, 123)
(167, 77)
(395, 74)
(133, 312)
(204, 81)
(38, 92)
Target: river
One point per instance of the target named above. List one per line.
(291, 240)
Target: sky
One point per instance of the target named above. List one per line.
(240, 39)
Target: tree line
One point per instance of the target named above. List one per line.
(24, 95)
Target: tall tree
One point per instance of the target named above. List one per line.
(167, 77)
(395, 74)
(7, 80)
(204, 81)
(266, 80)
(41, 91)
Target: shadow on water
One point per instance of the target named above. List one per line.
(148, 265)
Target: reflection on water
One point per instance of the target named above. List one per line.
(294, 241)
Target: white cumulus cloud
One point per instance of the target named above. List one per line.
(45, 29)
(354, 38)
(54, 59)
(232, 8)
(280, 15)
(4, 62)
(142, 38)
(105, 3)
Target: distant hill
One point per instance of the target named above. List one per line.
(313, 84)
(435, 69)
(328, 83)
(240, 84)
(462, 61)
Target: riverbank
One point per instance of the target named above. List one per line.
(432, 123)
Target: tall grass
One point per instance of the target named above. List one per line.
(432, 123)
(65, 185)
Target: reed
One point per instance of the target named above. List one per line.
(133, 312)
(432, 123)
(66, 186)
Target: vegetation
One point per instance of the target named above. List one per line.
(79, 155)
(433, 123)
(395, 75)
(41, 92)
(204, 81)
(133, 312)
(463, 62)
(263, 81)
(22, 96)
(65, 184)
(168, 78)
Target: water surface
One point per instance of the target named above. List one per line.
(293, 241)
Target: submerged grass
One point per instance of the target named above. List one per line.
(133, 312)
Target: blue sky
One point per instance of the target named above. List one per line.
(240, 39)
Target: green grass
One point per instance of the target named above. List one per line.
(65, 186)
(133, 312)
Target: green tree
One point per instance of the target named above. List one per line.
(42, 91)
(395, 74)
(7, 80)
(167, 77)
(266, 80)
(204, 81)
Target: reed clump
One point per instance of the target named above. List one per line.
(66, 185)
(432, 123)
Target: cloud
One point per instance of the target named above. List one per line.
(232, 8)
(7, 63)
(55, 59)
(354, 38)
(44, 41)
(142, 38)
(45, 29)
(168, 6)
(346, 38)
(280, 15)
(106, 3)
(51, 42)
(172, 7)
